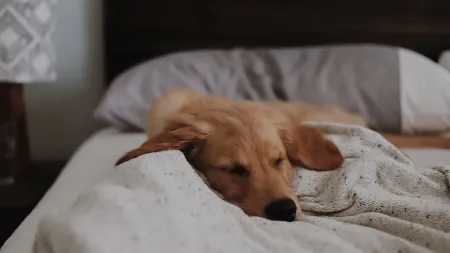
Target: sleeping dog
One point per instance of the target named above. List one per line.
(247, 149)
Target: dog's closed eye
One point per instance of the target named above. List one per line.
(279, 161)
(237, 169)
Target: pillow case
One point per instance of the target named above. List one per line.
(376, 81)
(424, 94)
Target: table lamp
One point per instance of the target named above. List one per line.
(27, 57)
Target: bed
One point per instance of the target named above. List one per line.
(138, 30)
(100, 151)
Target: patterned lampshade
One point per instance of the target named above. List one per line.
(27, 52)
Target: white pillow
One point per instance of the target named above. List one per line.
(425, 94)
(393, 89)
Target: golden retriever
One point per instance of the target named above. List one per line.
(247, 149)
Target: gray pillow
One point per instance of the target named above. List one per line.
(362, 78)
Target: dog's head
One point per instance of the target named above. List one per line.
(248, 159)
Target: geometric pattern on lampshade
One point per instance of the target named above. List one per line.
(27, 53)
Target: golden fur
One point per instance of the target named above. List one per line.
(247, 149)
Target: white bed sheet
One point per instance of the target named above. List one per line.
(97, 156)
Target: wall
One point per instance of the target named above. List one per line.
(60, 114)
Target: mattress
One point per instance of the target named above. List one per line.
(97, 156)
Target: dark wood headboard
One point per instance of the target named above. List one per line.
(137, 30)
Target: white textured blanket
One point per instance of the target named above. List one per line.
(376, 202)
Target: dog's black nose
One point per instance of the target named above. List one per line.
(281, 209)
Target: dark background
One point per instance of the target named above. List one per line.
(136, 30)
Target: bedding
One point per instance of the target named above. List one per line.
(94, 160)
(376, 202)
(392, 88)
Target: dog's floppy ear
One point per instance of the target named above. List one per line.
(178, 136)
(309, 146)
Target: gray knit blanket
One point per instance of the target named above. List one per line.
(377, 202)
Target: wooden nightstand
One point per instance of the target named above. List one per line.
(18, 200)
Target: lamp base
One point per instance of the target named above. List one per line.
(14, 149)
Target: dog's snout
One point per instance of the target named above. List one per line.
(281, 210)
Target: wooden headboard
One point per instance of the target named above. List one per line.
(136, 30)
